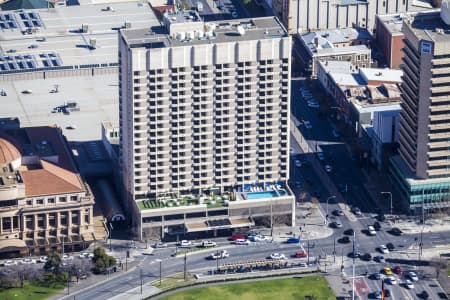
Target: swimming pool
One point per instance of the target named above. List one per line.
(265, 194)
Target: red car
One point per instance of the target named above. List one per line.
(398, 270)
(301, 253)
(238, 237)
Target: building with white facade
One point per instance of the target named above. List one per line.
(204, 123)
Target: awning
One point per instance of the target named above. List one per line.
(219, 224)
(7, 245)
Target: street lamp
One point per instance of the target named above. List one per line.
(331, 197)
(160, 270)
(390, 196)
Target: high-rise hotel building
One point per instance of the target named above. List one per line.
(204, 118)
(422, 170)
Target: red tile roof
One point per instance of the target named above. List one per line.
(8, 152)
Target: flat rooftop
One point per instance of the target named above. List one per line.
(42, 38)
(430, 27)
(96, 97)
(394, 22)
(225, 31)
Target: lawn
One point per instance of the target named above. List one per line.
(315, 287)
(30, 292)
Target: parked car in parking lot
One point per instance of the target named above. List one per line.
(371, 230)
(398, 270)
(366, 257)
(238, 237)
(27, 261)
(379, 258)
(9, 263)
(344, 240)
(338, 212)
(396, 231)
(160, 245)
(383, 249)
(390, 246)
(413, 276)
(356, 211)
(43, 259)
(409, 284)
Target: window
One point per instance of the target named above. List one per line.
(29, 202)
(73, 198)
(75, 219)
(62, 199)
(6, 223)
(40, 201)
(51, 200)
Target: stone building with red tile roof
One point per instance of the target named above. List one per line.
(43, 199)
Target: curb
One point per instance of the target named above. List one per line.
(96, 284)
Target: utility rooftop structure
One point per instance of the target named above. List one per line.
(204, 120)
(66, 41)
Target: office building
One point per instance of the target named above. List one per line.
(422, 169)
(45, 204)
(337, 44)
(300, 16)
(204, 111)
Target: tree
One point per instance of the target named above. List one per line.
(53, 263)
(246, 1)
(102, 261)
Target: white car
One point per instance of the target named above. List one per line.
(28, 261)
(206, 244)
(185, 243)
(67, 257)
(277, 256)
(413, 276)
(242, 242)
(43, 259)
(83, 255)
(372, 231)
(10, 263)
(328, 168)
(307, 124)
(409, 284)
(262, 238)
(391, 279)
(220, 254)
(383, 249)
(320, 156)
(298, 163)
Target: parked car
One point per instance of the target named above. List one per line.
(320, 156)
(377, 226)
(219, 255)
(383, 249)
(293, 240)
(391, 279)
(300, 254)
(206, 244)
(387, 271)
(371, 230)
(396, 231)
(43, 259)
(277, 256)
(409, 284)
(185, 244)
(366, 257)
(390, 246)
(28, 261)
(337, 223)
(328, 168)
(356, 211)
(238, 237)
(349, 232)
(398, 270)
(242, 242)
(379, 258)
(413, 276)
(338, 212)
(298, 163)
(424, 295)
(9, 263)
(344, 240)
